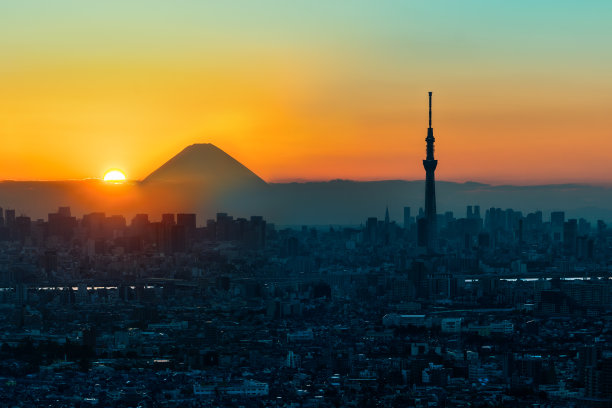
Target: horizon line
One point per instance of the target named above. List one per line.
(607, 184)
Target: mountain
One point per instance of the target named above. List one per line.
(202, 178)
(206, 164)
(205, 180)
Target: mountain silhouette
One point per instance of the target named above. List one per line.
(207, 164)
(204, 179)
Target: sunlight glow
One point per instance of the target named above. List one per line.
(115, 176)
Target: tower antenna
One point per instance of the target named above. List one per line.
(429, 229)
(430, 109)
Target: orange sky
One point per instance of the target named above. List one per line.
(307, 92)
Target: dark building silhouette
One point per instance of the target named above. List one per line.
(223, 225)
(370, 233)
(557, 221)
(22, 227)
(50, 262)
(9, 216)
(570, 236)
(168, 219)
(94, 224)
(250, 233)
(160, 238)
(9, 220)
(178, 238)
(64, 211)
(422, 232)
(430, 164)
(406, 218)
(188, 222)
(386, 227)
(61, 224)
(140, 224)
(255, 233)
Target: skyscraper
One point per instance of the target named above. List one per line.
(387, 232)
(406, 218)
(430, 165)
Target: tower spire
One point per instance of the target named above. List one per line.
(430, 164)
(430, 109)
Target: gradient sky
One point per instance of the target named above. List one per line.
(304, 90)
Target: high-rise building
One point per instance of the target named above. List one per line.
(178, 238)
(61, 224)
(370, 232)
(570, 236)
(557, 221)
(406, 218)
(223, 226)
(64, 211)
(139, 225)
(387, 233)
(255, 234)
(189, 222)
(22, 227)
(430, 165)
(168, 219)
(94, 224)
(9, 218)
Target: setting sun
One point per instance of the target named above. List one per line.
(115, 176)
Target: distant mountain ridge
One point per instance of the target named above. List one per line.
(205, 180)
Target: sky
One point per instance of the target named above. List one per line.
(303, 90)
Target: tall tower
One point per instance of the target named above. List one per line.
(430, 165)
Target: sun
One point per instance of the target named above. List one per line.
(115, 176)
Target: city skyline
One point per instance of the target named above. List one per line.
(236, 204)
(87, 89)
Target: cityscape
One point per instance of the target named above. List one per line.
(305, 204)
(492, 307)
